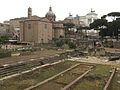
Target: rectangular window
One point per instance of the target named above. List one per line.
(41, 40)
(45, 26)
(29, 26)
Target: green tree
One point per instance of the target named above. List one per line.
(68, 28)
(108, 28)
(113, 28)
(100, 24)
(114, 15)
(4, 39)
(114, 25)
(72, 45)
(59, 42)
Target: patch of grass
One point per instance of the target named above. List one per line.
(34, 77)
(5, 54)
(86, 85)
(115, 85)
(95, 80)
(64, 79)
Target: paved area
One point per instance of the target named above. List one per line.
(97, 60)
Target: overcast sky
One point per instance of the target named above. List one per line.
(18, 8)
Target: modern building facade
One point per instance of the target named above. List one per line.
(87, 19)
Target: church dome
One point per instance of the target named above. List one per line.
(50, 14)
(70, 17)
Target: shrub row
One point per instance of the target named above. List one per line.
(5, 54)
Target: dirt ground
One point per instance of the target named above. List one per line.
(34, 55)
(47, 53)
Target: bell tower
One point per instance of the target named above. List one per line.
(29, 12)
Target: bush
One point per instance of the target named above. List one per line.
(5, 54)
(65, 43)
(65, 46)
(71, 45)
(59, 43)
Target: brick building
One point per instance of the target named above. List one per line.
(36, 29)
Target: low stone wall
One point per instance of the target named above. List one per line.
(15, 54)
(116, 44)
